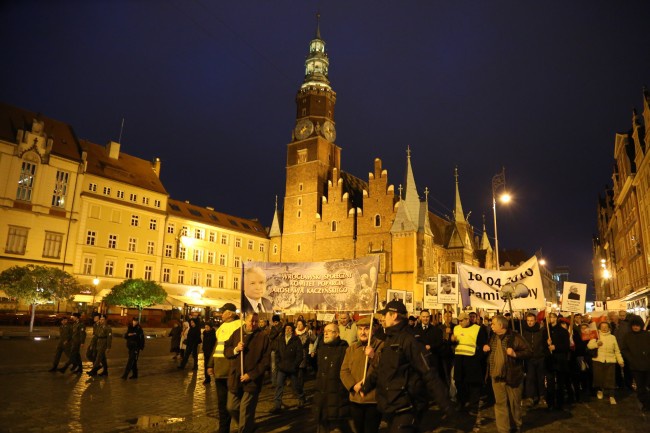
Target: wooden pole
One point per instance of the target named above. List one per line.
(548, 329)
(372, 319)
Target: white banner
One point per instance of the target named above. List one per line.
(574, 296)
(484, 288)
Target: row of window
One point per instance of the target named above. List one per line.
(135, 222)
(17, 242)
(92, 187)
(200, 234)
(26, 182)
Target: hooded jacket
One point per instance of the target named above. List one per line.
(636, 350)
(535, 339)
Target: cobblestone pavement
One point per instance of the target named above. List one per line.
(33, 400)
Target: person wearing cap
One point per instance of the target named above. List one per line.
(636, 350)
(244, 386)
(507, 352)
(468, 371)
(134, 343)
(104, 342)
(403, 380)
(363, 410)
(65, 335)
(290, 355)
(331, 402)
(218, 364)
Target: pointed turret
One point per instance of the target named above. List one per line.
(411, 197)
(459, 216)
(426, 225)
(275, 225)
(403, 221)
(485, 241)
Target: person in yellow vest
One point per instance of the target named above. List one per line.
(219, 365)
(468, 340)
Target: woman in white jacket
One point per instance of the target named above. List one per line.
(604, 365)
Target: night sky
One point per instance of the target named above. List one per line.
(538, 87)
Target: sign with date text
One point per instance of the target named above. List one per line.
(488, 288)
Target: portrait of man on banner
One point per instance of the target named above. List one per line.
(448, 289)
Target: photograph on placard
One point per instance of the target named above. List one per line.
(395, 295)
(448, 289)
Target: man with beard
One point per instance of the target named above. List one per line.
(365, 416)
(244, 386)
(219, 365)
(331, 401)
(134, 343)
(403, 379)
(534, 388)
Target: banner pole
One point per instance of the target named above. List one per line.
(548, 329)
(241, 338)
(512, 314)
(372, 319)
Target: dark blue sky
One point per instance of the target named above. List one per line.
(538, 87)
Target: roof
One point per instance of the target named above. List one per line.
(354, 186)
(65, 142)
(214, 218)
(126, 168)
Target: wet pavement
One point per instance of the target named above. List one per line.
(33, 400)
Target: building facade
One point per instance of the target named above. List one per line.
(621, 247)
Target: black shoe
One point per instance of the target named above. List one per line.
(52, 370)
(134, 376)
(62, 369)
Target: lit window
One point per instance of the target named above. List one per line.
(196, 278)
(199, 234)
(166, 275)
(222, 259)
(238, 242)
(26, 181)
(60, 189)
(220, 281)
(170, 228)
(251, 245)
(107, 190)
(168, 250)
(208, 280)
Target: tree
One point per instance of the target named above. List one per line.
(36, 285)
(136, 293)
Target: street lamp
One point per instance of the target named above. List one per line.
(498, 181)
(95, 283)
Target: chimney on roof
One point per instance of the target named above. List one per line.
(113, 149)
(209, 208)
(156, 166)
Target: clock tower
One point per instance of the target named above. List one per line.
(311, 156)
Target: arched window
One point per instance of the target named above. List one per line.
(377, 220)
(299, 213)
(333, 226)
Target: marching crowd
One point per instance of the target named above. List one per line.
(390, 370)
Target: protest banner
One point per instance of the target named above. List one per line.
(485, 288)
(574, 296)
(342, 285)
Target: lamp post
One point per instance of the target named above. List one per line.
(95, 284)
(498, 181)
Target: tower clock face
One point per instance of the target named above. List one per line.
(304, 129)
(329, 132)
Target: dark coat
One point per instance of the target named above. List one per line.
(432, 336)
(256, 360)
(331, 399)
(175, 333)
(536, 339)
(289, 355)
(135, 341)
(513, 372)
(558, 360)
(209, 341)
(636, 350)
(193, 336)
(403, 378)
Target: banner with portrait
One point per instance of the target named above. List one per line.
(431, 295)
(487, 288)
(574, 296)
(342, 285)
(448, 289)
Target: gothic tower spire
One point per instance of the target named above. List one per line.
(411, 197)
(275, 225)
(459, 216)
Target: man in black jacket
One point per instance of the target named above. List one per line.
(534, 388)
(331, 398)
(290, 355)
(557, 363)
(636, 350)
(208, 343)
(431, 337)
(134, 343)
(403, 376)
(192, 345)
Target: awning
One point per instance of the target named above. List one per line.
(180, 301)
(84, 298)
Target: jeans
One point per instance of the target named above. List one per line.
(296, 384)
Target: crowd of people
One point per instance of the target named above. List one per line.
(391, 369)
